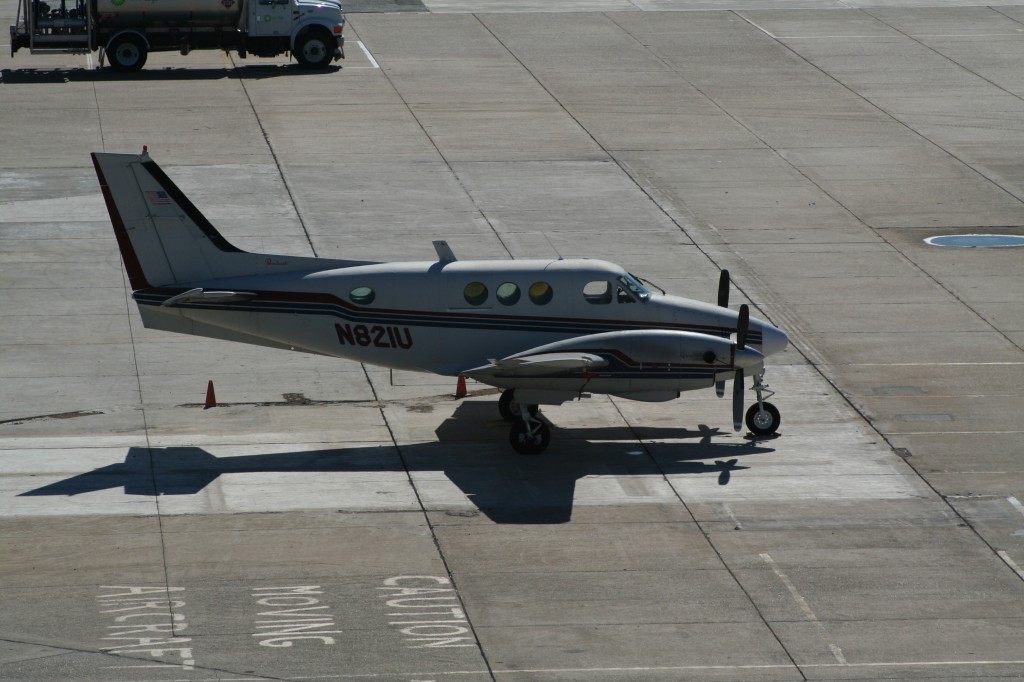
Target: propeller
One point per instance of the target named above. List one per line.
(723, 302)
(741, 327)
(737, 383)
(723, 289)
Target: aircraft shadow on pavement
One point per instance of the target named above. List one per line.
(505, 486)
(31, 76)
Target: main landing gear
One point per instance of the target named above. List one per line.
(762, 417)
(528, 435)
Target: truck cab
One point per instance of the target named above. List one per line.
(313, 29)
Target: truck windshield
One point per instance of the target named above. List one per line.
(632, 285)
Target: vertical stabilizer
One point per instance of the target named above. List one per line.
(163, 237)
(165, 240)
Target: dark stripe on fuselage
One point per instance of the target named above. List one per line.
(332, 306)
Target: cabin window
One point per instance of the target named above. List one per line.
(508, 293)
(598, 292)
(541, 293)
(362, 295)
(475, 293)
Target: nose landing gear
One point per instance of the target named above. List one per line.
(763, 418)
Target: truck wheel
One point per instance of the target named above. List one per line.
(314, 50)
(127, 53)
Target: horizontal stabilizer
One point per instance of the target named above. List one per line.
(200, 296)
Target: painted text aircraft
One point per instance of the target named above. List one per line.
(545, 331)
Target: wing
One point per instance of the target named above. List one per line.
(620, 352)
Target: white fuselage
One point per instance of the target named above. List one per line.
(441, 317)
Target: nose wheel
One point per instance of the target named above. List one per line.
(763, 418)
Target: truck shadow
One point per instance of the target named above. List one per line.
(35, 76)
(504, 486)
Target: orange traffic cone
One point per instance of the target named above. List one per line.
(211, 398)
(460, 388)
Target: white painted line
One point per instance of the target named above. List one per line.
(931, 364)
(176, 666)
(762, 29)
(970, 497)
(1011, 563)
(866, 37)
(728, 510)
(948, 433)
(1016, 504)
(373, 62)
(906, 664)
(802, 603)
(896, 36)
(680, 668)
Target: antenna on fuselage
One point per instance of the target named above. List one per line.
(444, 252)
(553, 247)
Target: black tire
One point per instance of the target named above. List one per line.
(314, 49)
(127, 53)
(526, 443)
(763, 423)
(509, 408)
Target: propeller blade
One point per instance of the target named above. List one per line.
(741, 327)
(720, 388)
(723, 289)
(737, 400)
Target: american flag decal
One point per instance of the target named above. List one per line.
(158, 198)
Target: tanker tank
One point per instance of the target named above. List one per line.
(179, 13)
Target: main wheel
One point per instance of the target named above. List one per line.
(526, 443)
(313, 50)
(127, 52)
(509, 408)
(763, 422)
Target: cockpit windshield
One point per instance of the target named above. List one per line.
(634, 288)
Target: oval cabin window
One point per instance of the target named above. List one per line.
(362, 295)
(475, 293)
(541, 293)
(508, 293)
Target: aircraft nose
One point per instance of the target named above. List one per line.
(773, 340)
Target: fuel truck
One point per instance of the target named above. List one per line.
(126, 31)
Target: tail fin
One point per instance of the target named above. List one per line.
(165, 240)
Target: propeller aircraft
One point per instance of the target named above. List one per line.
(544, 331)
